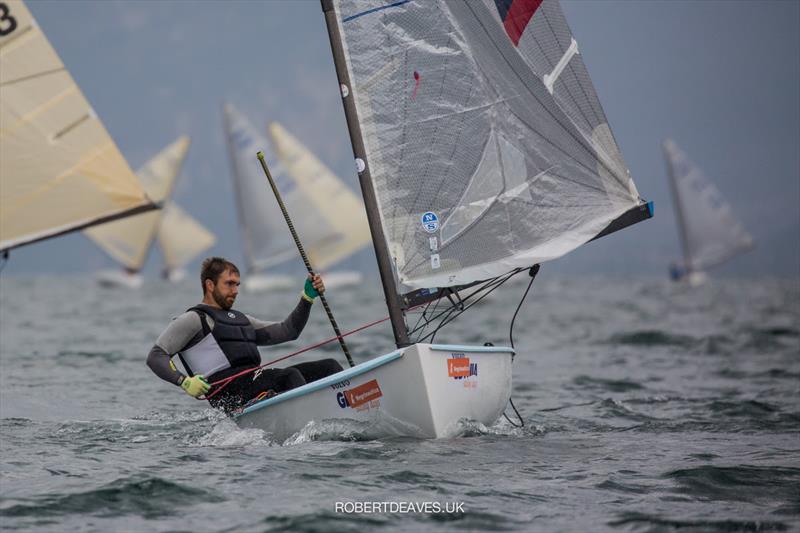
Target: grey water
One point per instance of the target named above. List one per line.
(647, 406)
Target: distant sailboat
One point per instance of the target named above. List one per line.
(709, 233)
(128, 241)
(60, 171)
(330, 233)
(181, 239)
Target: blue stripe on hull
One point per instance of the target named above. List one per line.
(324, 382)
(473, 349)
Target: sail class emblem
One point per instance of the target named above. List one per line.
(515, 15)
(430, 222)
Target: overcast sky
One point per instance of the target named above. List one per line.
(722, 78)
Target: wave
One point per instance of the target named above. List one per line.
(658, 523)
(612, 385)
(150, 497)
(650, 337)
(743, 483)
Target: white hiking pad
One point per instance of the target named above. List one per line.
(60, 170)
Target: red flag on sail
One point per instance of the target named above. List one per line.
(515, 15)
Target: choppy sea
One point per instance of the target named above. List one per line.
(647, 406)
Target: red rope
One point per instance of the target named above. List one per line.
(226, 381)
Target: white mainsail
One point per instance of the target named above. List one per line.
(128, 240)
(346, 229)
(486, 144)
(60, 170)
(181, 237)
(710, 235)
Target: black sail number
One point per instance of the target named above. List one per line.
(7, 22)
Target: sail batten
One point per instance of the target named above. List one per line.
(485, 142)
(59, 166)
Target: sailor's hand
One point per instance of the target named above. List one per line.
(313, 288)
(195, 386)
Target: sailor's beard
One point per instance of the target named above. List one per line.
(221, 301)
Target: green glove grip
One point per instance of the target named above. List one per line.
(309, 292)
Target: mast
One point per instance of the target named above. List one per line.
(367, 190)
(678, 208)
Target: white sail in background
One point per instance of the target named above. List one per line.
(264, 235)
(128, 240)
(710, 234)
(60, 170)
(345, 230)
(487, 146)
(181, 237)
(267, 241)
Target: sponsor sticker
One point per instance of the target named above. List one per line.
(430, 222)
(360, 396)
(459, 367)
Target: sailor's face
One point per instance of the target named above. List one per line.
(226, 289)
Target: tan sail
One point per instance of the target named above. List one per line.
(128, 240)
(60, 170)
(328, 196)
(181, 237)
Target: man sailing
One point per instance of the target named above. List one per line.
(215, 341)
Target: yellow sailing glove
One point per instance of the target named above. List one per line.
(195, 386)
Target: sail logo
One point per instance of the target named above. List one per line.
(359, 396)
(460, 367)
(430, 222)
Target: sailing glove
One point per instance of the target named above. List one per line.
(309, 292)
(195, 386)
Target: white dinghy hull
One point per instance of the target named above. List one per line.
(271, 282)
(116, 279)
(423, 390)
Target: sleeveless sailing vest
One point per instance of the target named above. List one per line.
(232, 342)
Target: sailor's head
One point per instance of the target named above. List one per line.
(220, 279)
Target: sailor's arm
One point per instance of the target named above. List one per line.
(268, 333)
(273, 333)
(181, 332)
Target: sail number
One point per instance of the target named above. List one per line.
(7, 22)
